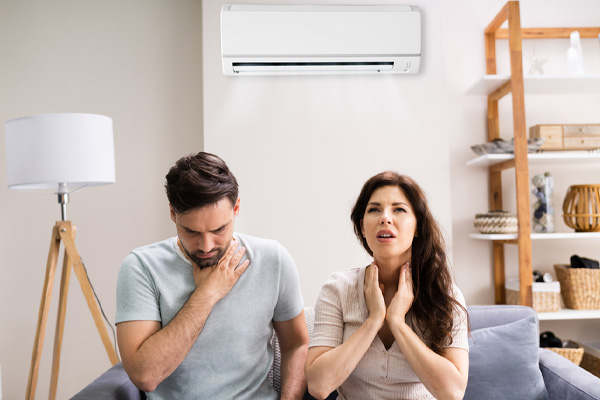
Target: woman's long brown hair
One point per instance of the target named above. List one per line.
(434, 304)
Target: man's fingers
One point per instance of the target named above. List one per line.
(224, 262)
(235, 260)
(243, 266)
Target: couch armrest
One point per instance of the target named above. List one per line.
(565, 380)
(114, 384)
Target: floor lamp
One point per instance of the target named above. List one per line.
(61, 153)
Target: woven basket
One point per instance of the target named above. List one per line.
(496, 222)
(543, 300)
(591, 359)
(581, 208)
(580, 287)
(572, 354)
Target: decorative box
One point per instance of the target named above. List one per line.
(567, 136)
(580, 287)
(591, 357)
(545, 295)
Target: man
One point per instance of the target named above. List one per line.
(195, 313)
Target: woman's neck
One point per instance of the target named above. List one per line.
(389, 270)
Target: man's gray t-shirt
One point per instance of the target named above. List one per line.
(232, 356)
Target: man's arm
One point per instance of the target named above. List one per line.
(151, 353)
(293, 343)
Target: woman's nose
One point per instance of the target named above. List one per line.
(385, 219)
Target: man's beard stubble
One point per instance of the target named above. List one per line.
(205, 262)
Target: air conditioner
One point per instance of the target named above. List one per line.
(320, 39)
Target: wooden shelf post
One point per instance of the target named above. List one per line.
(510, 12)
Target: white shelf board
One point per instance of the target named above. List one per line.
(542, 84)
(537, 236)
(567, 313)
(554, 157)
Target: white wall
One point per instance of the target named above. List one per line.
(302, 146)
(138, 62)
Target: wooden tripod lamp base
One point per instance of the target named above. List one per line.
(63, 231)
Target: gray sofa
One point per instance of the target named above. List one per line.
(505, 363)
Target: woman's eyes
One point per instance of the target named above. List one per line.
(397, 209)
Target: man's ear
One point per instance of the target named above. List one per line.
(172, 213)
(236, 207)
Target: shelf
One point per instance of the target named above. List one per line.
(537, 236)
(541, 84)
(567, 313)
(557, 157)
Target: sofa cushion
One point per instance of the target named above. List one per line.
(503, 363)
(114, 384)
(565, 380)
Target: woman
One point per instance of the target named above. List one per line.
(396, 329)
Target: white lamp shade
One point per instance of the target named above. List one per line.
(43, 151)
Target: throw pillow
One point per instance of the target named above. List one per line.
(504, 363)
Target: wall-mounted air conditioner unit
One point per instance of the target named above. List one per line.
(320, 39)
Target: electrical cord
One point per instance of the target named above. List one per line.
(100, 305)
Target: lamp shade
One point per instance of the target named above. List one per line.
(59, 152)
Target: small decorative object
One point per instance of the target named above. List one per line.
(542, 208)
(539, 277)
(501, 146)
(567, 136)
(575, 55)
(496, 222)
(537, 64)
(582, 262)
(548, 339)
(581, 208)
(580, 287)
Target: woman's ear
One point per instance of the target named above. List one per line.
(362, 228)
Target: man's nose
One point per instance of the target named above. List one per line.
(205, 243)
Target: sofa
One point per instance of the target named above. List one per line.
(505, 363)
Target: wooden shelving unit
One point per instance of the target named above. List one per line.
(497, 87)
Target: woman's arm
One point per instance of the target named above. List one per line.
(444, 376)
(328, 367)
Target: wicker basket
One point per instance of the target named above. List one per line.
(546, 296)
(580, 287)
(496, 222)
(581, 208)
(591, 358)
(573, 354)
